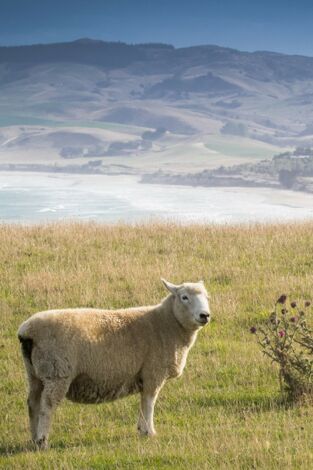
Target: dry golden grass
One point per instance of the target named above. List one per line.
(225, 411)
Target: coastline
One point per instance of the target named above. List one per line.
(41, 196)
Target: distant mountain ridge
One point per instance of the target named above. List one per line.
(194, 90)
(112, 54)
(119, 54)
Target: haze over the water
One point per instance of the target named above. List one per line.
(243, 24)
(33, 198)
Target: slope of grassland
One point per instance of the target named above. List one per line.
(225, 411)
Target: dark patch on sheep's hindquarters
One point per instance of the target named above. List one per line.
(27, 347)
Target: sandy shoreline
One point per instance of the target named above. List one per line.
(50, 196)
(272, 196)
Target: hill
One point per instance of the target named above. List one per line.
(289, 170)
(226, 410)
(196, 94)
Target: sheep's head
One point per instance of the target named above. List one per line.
(191, 303)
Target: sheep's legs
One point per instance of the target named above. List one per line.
(145, 423)
(33, 402)
(52, 394)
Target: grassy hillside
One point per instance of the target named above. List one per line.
(225, 411)
(186, 90)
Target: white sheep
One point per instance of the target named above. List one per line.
(93, 355)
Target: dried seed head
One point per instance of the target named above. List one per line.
(307, 303)
(253, 330)
(293, 304)
(282, 299)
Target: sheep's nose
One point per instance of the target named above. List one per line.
(204, 317)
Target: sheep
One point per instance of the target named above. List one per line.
(93, 355)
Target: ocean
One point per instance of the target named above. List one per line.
(38, 197)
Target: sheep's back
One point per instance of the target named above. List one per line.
(99, 343)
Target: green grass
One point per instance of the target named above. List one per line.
(226, 411)
(242, 147)
(7, 120)
(20, 120)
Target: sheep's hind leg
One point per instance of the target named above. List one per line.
(33, 402)
(145, 422)
(52, 394)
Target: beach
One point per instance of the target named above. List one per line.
(42, 197)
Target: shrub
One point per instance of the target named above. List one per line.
(287, 339)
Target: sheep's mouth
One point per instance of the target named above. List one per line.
(203, 321)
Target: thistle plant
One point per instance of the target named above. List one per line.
(287, 339)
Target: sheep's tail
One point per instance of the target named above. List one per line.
(26, 342)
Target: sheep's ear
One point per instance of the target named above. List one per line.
(169, 286)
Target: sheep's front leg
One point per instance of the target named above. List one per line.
(145, 422)
(52, 394)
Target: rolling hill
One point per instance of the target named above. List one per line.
(114, 92)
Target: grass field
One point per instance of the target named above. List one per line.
(241, 148)
(225, 412)
(19, 120)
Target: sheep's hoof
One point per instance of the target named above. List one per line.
(146, 432)
(42, 443)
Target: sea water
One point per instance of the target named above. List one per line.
(39, 197)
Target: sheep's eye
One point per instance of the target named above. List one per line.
(184, 298)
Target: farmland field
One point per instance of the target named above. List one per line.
(226, 411)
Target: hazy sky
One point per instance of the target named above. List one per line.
(278, 25)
